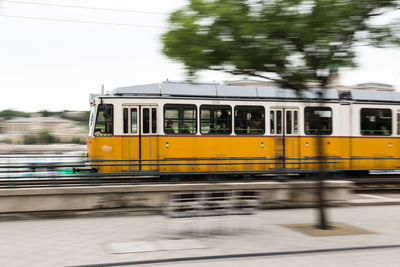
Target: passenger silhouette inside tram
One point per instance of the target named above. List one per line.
(383, 130)
(212, 129)
(184, 129)
(224, 128)
(169, 128)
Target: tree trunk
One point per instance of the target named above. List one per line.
(322, 224)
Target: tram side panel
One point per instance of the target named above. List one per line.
(212, 150)
(107, 151)
(335, 150)
(209, 153)
(129, 153)
(344, 122)
(172, 147)
(370, 145)
(372, 153)
(209, 147)
(251, 152)
(292, 152)
(104, 151)
(149, 153)
(339, 147)
(336, 141)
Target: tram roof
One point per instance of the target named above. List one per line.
(375, 95)
(215, 90)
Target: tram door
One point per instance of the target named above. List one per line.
(284, 126)
(149, 138)
(140, 122)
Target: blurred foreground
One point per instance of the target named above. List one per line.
(267, 239)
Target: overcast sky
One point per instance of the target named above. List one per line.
(54, 65)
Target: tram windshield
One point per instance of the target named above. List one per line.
(91, 119)
(104, 120)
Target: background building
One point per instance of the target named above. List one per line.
(17, 130)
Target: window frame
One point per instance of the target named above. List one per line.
(318, 131)
(216, 106)
(153, 123)
(289, 122)
(137, 121)
(98, 110)
(146, 120)
(363, 132)
(125, 120)
(181, 117)
(263, 120)
(398, 122)
(130, 121)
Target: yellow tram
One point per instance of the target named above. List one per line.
(175, 127)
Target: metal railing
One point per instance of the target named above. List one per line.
(81, 169)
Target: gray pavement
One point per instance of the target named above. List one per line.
(153, 240)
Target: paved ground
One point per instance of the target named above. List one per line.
(156, 241)
(362, 199)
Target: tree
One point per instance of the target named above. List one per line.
(46, 113)
(45, 137)
(30, 139)
(290, 42)
(8, 114)
(286, 41)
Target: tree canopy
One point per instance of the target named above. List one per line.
(290, 42)
(8, 114)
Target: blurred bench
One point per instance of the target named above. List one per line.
(211, 204)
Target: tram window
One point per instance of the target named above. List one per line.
(215, 120)
(249, 120)
(154, 120)
(295, 122)
(376, 121)
(104, 120)
(272, 121)
(125, 115)
(398, 123)
(279, 122)
(188, 124)
(180, 119)
(146, 121)
(288, 121)
(171, 119)
(134, 124)
(318, 120)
